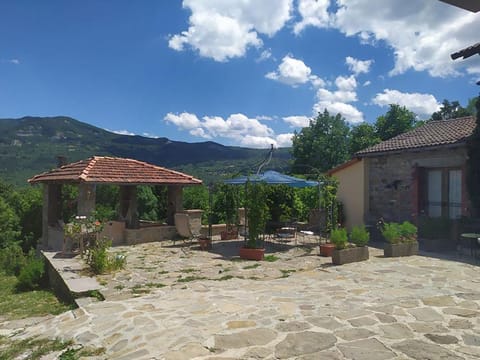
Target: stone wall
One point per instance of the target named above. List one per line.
(392, 184)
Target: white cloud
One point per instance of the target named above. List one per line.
(121, 132)
(14, 61)
(358, 66)
(284, 140)
(185, 121)
(294, 72)
(237, 127)
(221, 29)
(297, 121)
(314, 13)
(258, 142)
(152, 136)
(265, 55)
(291, 72)
(366, 83)
(338, 101)
(349, 112)
(422, 34)
(420, 104)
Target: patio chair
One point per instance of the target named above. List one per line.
(187, 228)
(286, 234)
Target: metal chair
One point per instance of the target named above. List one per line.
(187, 228)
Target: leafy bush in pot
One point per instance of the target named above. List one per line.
(408, 232)
(359, 235)
(339, 238)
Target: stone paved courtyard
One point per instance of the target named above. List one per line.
(174, 304)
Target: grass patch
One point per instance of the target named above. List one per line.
(119, 287)
(254, 278)
(19, 305)
(155, 285)
(188, 271)
(73, 354)
(162, 272)
(286, 273)
(253, 266)
(138, 289)
(30, 348)
(190, 278)
(226, 277)
(271, 258)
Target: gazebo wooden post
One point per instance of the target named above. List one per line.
(128, 206)
(175, 202)
(86, 199)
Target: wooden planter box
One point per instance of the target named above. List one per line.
(346, 256)
(402, 249)
(326, 249)
(251, 254)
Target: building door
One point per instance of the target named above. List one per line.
(444, 193)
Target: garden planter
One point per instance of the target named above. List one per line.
(402, 249)
(229, 235)
(205, 243)
(349, 255)
(326, 249)
(251, 253)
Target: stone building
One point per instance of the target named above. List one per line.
(420, 172)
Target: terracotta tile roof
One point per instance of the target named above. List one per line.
(432, 133)
(111, 170)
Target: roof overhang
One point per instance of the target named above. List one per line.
(470, 5)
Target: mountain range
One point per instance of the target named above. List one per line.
(31, 145)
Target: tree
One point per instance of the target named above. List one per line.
(323, 144)
(450, 110)
(473, 164)
(396, 121)
(361, 137)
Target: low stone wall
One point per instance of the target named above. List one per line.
(150, 234)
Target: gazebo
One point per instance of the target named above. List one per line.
(125, 173)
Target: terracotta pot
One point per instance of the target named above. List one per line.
(326, 249)
(252, 254)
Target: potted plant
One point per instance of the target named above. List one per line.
(354, 251)
(257, 211)
(402, 239)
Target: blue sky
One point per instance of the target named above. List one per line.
(238, 72)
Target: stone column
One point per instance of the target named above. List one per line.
(175, 202)
(128, 206)
(86, 199)
(51, 209)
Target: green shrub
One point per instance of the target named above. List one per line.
(359, 235)
(391, 232)
(408, 231)
(12, 259)
(396, 233)
(100, 261)
(32, 275)
(339, 238)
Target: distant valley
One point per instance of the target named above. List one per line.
(30, 145)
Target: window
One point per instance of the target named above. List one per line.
(444, 193)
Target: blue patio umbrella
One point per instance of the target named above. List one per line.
(272, 178)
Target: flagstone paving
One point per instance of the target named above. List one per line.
(171, 304)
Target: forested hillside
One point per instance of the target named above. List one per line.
(30, 145)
